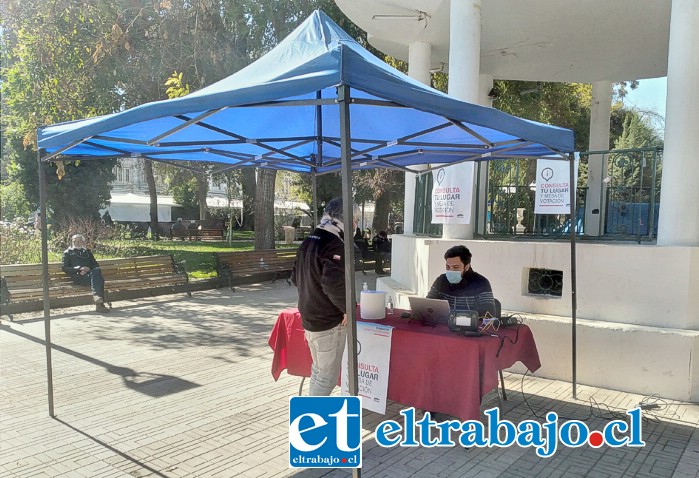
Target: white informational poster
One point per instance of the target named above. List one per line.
(452, 189)
(373, 361)
(553, 186)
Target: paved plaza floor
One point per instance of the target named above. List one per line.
(181, 387)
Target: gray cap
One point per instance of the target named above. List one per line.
(334, 209)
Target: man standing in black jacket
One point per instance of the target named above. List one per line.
(319, 274)
(81, 266)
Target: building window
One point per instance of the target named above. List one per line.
(546, 282)
(123, 175)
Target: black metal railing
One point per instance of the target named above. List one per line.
(630, 199)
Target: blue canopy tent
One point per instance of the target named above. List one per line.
(317, 103)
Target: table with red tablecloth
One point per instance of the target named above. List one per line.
(431, 368)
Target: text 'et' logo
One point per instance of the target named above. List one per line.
(325, 432)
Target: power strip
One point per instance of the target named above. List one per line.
(508, 320)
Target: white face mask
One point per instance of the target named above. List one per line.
(454, 277)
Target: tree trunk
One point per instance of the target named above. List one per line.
(202, 192)
(249, 192)
(153, 193)
(381, 209)
(264, 209)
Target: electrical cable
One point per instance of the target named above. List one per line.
(596, 410)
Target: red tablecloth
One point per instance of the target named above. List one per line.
(431, 368)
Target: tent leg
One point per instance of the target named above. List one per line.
(343, 96)
(573, 271)
(319, 159)
(45, 279)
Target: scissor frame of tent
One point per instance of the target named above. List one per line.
(317, 103)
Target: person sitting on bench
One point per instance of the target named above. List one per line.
(382, 246)
(81, 266)
(178, 227)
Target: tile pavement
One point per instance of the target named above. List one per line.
(179, 387)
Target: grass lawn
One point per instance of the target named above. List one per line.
(198, 256)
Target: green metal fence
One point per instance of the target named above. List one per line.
(630, 199)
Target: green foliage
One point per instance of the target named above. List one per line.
(635, 169)
(21, 244)
(562, 104)
(49, 77)
(621, 89)
(176, 88)
(82, 191)
(13, 201)
(637, 132)
(328, 186)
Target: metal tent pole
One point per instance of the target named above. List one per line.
(343, 97)
(319, 158)
(573, 270)
(45, 279)
(314, 201)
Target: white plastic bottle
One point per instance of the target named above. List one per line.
(365, 286)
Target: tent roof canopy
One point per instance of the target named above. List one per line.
(282, 112)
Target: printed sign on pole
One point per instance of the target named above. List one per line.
(553, 186)
(451, 194)
(373, 361)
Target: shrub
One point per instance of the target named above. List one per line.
(20, 244)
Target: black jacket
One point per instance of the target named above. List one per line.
(472, 293)
(319, 274)
(74, 259)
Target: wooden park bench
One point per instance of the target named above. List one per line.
(210, 234)
(246, 267)
(126, 278)
(197, 234)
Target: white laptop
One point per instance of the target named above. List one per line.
(430, 311)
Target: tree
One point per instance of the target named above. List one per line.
(13, 202)
(563, 104)
(183, 182)
(249, 187)
(632, 170)
(65, 60)
(264, 209)
(46, 78)
(153, 194)
(386, 188)
(328, 186)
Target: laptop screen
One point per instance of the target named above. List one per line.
(430, 311)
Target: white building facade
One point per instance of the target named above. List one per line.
(638, 305)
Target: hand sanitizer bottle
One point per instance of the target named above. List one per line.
(390, 304)
(365, 286)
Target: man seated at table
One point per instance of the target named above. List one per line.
(464, 288)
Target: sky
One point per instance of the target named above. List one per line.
(650, 95)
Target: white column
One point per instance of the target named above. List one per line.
(679, 197)
(600, 113)
(419, 61)
(419, 58)
(464, 72)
